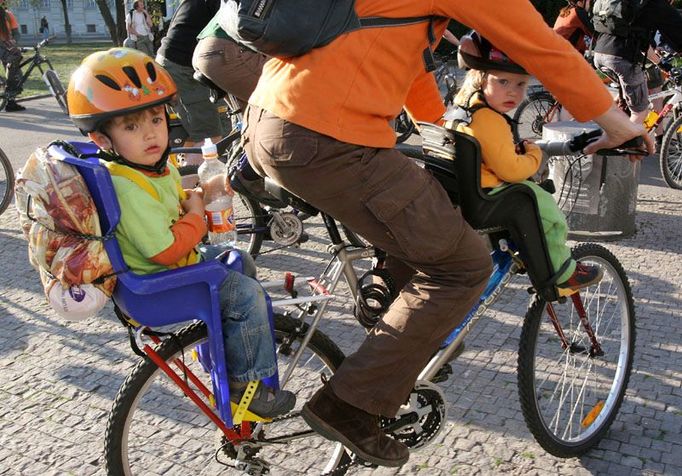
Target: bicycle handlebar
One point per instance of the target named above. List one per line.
(575, 145)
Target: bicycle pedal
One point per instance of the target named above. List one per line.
(443, 373)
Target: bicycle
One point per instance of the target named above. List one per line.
(540, 108)
(573, 368)
(49, 76)
(6, 182)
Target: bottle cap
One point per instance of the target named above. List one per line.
(209, 148)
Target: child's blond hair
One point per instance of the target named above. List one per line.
(473, 82)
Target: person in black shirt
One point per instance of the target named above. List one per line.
(625, 56)
(198, 114)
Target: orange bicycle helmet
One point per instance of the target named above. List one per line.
(475, 52)
(114, 83)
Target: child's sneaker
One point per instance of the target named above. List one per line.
(267, 403)
(583, 276)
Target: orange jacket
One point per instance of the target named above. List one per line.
(351, 88)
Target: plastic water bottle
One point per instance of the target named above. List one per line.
(217, 198)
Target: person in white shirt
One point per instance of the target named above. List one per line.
(139, 26)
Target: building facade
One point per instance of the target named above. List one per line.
(84, 16)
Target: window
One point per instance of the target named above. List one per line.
(69, 3)
(91, 28)
(90, 4)
(22, 5)
(45, 4)
(23, 29)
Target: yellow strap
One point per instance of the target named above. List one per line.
(139, 179)
(240, 412)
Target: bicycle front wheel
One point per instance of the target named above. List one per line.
(532, 114)
(6, 182)
(671, 154)
(570, 396)
(154, 429)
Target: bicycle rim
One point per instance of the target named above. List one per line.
(671, 155)
(154, 429)
(6, 182)
(568, 398)
(532, 114)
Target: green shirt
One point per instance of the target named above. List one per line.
(145, 226)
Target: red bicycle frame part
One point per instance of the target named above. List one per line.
(595, 347)
(233, 436)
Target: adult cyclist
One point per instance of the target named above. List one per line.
(319, 125)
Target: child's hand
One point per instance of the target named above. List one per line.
(194, 202)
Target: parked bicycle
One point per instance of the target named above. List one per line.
(49, 75)
(6, 182)
(173, 411)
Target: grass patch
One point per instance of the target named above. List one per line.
(64, 58)
(528, 455)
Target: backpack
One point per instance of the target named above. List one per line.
(65, 244)
(59, 219)
(287, 28)
(616, 17)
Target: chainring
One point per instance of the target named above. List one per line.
(421, 419)
(287, 230)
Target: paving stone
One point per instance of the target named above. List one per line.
(59, 379)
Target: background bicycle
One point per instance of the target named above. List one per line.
(6, 182)
(540, 108)
(42, 63)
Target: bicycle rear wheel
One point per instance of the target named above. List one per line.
(569, 398)
(532, 114)
(249, 216)
(671, 154)
(3, 98)
(154, 429)
(6, 182)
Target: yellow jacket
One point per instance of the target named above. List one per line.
(499, 161)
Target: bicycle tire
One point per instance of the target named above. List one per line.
(249, 215)
(3, 97)
(6, 182)
(671, 154)
(530, 116)
(57, 89)
(146, 429)
(592, 388)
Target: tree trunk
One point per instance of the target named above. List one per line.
(121, 20)
(109, 21)
(67, 24)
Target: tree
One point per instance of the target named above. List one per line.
(67, 24)
(109, 21)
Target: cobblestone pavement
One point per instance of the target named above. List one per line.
(59, 379)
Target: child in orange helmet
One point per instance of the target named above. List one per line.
(118, 98)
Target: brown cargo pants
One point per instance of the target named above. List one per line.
(400, 207)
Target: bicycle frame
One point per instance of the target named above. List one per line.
(675, 98)
(36, 61)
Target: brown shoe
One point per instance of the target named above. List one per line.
(358, 430)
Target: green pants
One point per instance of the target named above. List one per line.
(554, 226)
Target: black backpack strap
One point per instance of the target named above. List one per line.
(382, 22)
